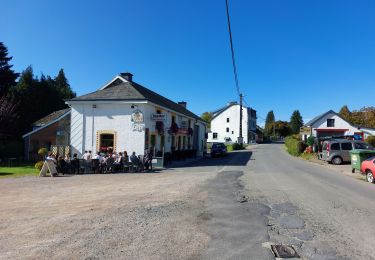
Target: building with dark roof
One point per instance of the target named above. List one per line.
(124, 115)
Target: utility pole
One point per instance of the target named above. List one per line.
(240, 138)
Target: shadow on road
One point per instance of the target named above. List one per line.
(232, 159)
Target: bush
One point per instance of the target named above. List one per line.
(42, 152)
(235, 146)
(39, 165)
(310, 140)
(371, 140)
(294, 146)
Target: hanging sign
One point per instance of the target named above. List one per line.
(159, 117)
(137, 116)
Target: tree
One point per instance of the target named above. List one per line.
(7, 76)
(296, 122)
(282, 128)
(207, 117)
(364, 117)
(63, 87)
(39, 97)
(270, 120)
(345, 113)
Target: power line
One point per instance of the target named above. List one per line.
(232, 51)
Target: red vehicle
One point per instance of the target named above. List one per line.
(368, 168)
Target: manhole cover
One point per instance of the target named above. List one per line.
(284, 251)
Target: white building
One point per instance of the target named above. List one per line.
(332, 124)
(128, 117)
(225, 124)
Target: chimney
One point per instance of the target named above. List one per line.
(182, 103)
(127, 75)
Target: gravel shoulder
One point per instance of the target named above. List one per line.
(128, 216)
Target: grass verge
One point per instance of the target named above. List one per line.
(18, 171)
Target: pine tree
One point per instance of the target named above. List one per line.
(63, 87)
(270, 121)
(296, 122)
(345, 113)
(7, 75)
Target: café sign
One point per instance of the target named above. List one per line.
(159, 117)
(138, 127)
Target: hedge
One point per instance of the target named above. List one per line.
(294, 146)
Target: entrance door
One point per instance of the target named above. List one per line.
(106, 141)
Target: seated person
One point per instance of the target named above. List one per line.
(147, 160)
(51, 157)
(125, 157)
(118, 162)
(75, 164)
(62, 165)
(135, 160)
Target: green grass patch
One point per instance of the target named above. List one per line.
(18, 171)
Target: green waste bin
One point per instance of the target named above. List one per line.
(358, 156)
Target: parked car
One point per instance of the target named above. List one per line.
(218, 149)
(368, 168)
(337, 151)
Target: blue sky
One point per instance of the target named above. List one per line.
(291, 54)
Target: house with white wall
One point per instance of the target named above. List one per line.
(225, 124)
(331, 123)
(126, 116)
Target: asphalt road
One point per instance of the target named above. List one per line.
(217, 208)
(324, 214)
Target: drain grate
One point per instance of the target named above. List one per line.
(284, 251)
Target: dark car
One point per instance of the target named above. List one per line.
(218, 149)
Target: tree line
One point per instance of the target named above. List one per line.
(25, 97)
(283, 128)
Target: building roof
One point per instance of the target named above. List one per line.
(49, 120)
(132, 91)
(317, 118)
(217, 112)
(51, 117)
